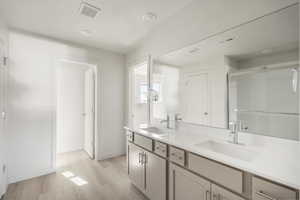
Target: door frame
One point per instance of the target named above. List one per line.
(97, 127)
(93, 111)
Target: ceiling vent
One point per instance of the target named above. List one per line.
(89, 10)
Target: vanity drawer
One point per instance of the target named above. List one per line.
(222, 174)
(266, 190)
(143, 141)
(160, 148)
(177, 155)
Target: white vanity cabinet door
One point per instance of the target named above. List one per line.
(136, 168)
(219, 193)
(184, 185)
(156, 177)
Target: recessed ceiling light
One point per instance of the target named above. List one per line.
(86, 32)
(150, 16)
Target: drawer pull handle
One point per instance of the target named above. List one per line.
(265, 195)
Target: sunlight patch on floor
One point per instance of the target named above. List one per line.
(67, 174)
(79, 181)
(76, 180)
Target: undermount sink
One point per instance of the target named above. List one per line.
(155, 130)
(233, 150)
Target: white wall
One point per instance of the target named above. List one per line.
(3, 104)
(31, 122)
(70, 106)
(201, 20)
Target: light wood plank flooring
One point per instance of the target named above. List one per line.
(106, 180)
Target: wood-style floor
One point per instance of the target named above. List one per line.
(106, 180)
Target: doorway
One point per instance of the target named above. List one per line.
(75, 108)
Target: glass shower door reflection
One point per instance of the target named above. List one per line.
(266, 102)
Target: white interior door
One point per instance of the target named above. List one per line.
(195, 97)
(89, 122)
(70, 107)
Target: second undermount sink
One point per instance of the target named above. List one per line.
(233, 150)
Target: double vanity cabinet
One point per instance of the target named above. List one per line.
(165, 172)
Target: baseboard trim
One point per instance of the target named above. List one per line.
(34, 175)
(111, 156)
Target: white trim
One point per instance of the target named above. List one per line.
(16, 179)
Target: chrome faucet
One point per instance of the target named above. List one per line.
(234, 131)
(166, 121)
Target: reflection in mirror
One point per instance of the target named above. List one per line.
(192, 93)
(266, 101)
(164, 97)
(248, 75)
(139, 94)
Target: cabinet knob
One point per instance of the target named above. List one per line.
(206, 113)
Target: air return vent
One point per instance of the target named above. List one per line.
(89, 10)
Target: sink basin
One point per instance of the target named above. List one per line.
(233, 150)
(156, 130)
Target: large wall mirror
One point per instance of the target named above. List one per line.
(248, 74)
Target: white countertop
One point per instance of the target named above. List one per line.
(275, 159)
